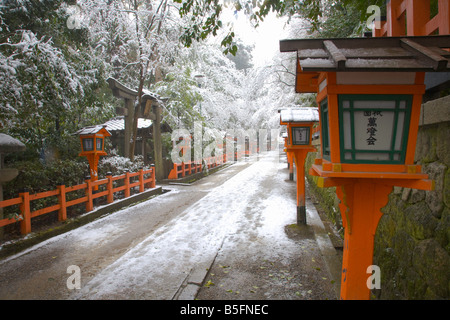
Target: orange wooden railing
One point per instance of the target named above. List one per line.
(412, 18)
(145, 179)
(181, 170)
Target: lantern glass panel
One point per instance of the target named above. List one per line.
(347, 131)
(88, 144)
(300, 136)
(99, 144)
(374, 128)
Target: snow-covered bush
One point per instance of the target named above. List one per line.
(118, 165)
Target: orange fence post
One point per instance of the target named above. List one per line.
(141, 180)
(89, 201)
(109, 187)
(62, 212)
(127, 184)
(25, 223)
(174, 172)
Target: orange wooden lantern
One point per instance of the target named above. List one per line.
(299, 124)
(93, 146)
(369, 92)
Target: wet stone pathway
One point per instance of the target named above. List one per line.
(231, 235)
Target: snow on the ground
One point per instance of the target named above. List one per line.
(194, 237)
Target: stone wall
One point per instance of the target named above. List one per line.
(412, 243)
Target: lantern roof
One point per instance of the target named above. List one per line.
(118, 124)
(299, 115)
(9, 144)
(404, 54)
(94, 130)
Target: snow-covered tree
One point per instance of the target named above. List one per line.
(47, 77)
(134, 36)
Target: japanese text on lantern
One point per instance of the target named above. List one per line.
(372, 117)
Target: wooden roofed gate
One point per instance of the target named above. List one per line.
(150, 108)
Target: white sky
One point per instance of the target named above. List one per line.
(265, 38)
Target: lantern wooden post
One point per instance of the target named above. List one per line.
(300, 157)
(361, 201)
(290, 159)
(367, 197)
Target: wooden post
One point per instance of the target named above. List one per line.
(25, 223)
(299, 157)
(110, 187)
(129, 118)
(361, 202)
(93, 167)
(89, 202)
(396, 23)
(418, 14)
(127, 184)
(141, 180)
(62, 212)
(290, 158)
(444, 17)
